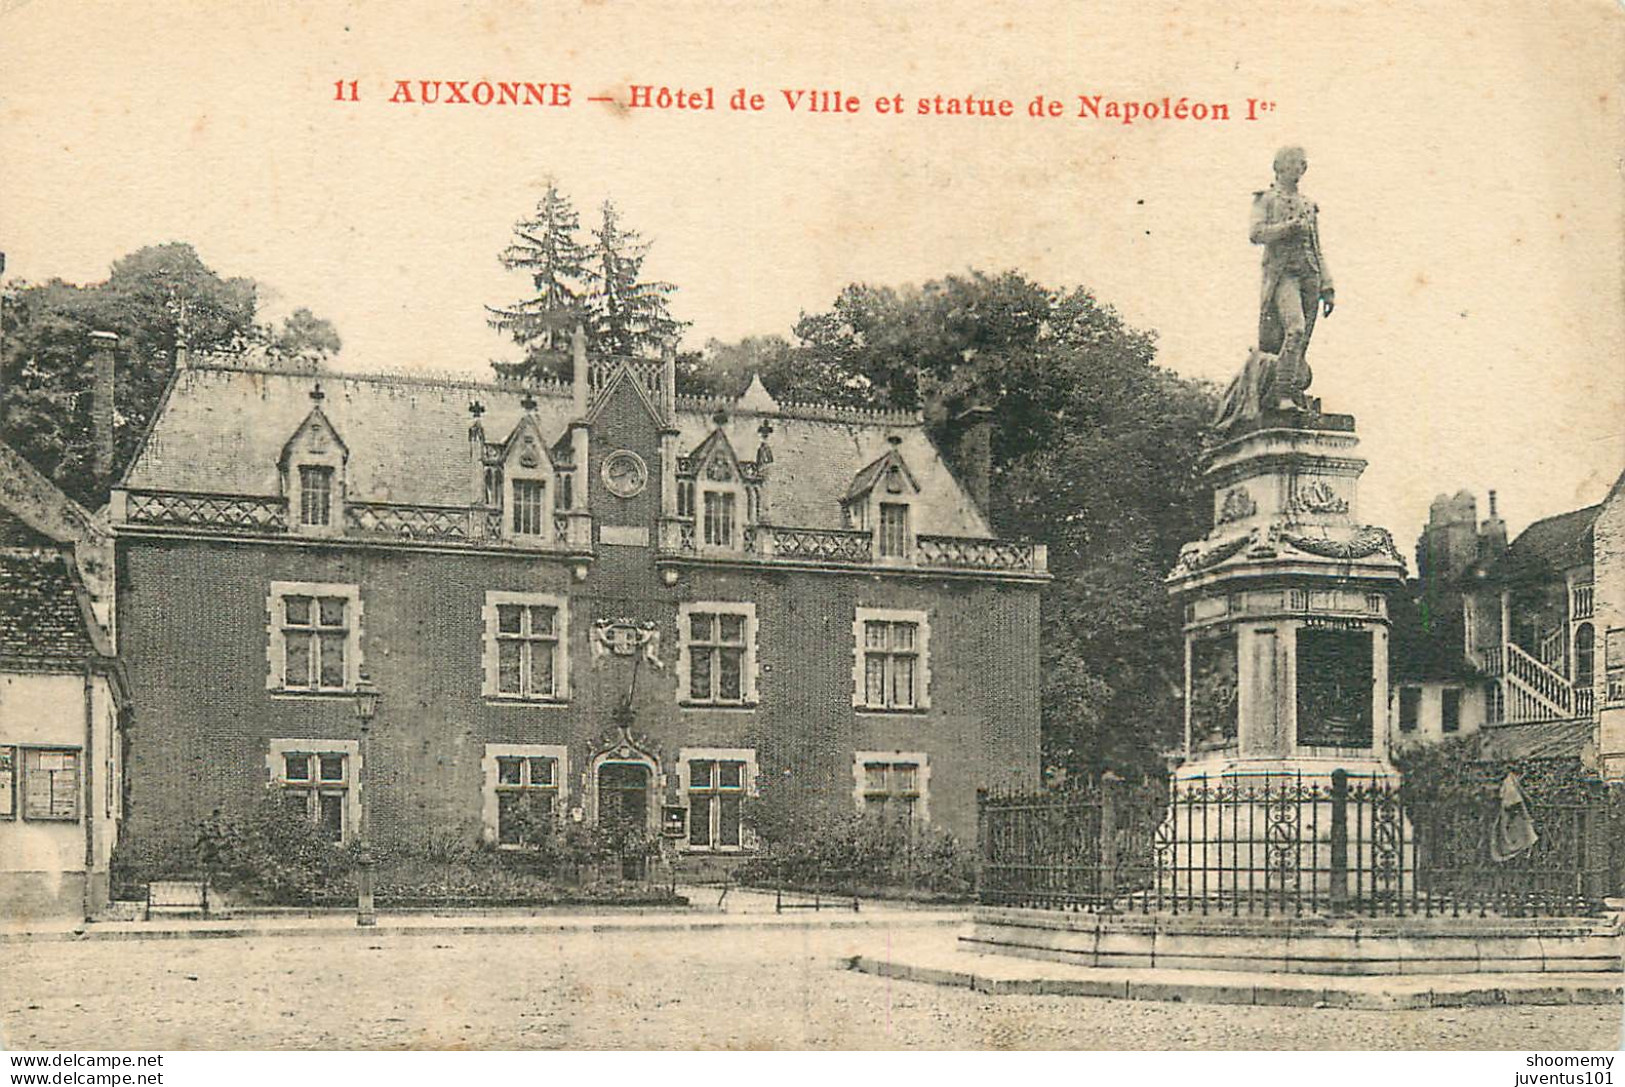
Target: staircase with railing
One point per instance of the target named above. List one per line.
(1534, 692)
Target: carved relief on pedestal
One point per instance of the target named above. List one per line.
(1317, 496)
(1214, 717)
(1236, 506)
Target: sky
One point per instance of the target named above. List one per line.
(1465, 158)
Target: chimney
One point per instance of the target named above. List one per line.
(668, 378)
(973, 452)
(578, 368)
(1492, 534)
(101, 402)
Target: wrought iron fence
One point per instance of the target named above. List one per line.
(1287, 846)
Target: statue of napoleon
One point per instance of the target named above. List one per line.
(1296, 285)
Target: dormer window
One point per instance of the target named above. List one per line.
(880, 501)
(715, 489)
(315, 494)
(524, 481)
(312, 469)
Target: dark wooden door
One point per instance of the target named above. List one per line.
(623, 807)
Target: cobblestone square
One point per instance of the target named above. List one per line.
(756, 988)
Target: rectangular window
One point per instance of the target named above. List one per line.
(315, 494)
(567, 490)
(1450, 709)
(685, 498)
(316, 786)
(315, 642)
(890, 664)
(892, 789)
(1410, 708)
(717, 644)
(719, 519)
(529, 502)
(8, 782)
(527, 648)
(893, 530)
(525, 639)
(50, 783)
(716, 794)
(1613, 661)
(527, 789)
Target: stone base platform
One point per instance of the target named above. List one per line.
(1309, 945)
(1001, 974)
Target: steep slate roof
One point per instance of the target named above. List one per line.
(43, 614)
(222, 429)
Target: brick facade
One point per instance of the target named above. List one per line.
(196, 623)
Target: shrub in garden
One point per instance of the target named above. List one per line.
(273, 853)
(813, 846)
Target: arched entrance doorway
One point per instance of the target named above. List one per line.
(623, 810)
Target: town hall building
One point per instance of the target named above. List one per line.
(594, 594)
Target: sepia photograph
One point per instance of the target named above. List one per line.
(844, 526)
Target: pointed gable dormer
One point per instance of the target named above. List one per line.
(881, 500)
(528, 484)
(312, 468)
(711, 488)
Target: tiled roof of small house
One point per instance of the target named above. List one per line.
(1566, 739)
(43, 615)
(35, 501)
(1549, 546)
(222, 429)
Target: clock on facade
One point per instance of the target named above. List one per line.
(624, 473)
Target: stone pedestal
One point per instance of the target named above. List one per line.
(1286, 641)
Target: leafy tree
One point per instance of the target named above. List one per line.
(629, 315)
(546, 247)
(1095, 452)
(303, 336)
(156, 299)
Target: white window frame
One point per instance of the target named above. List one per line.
(906, 546)
(747, 668)
(922, 656)
(276, 752)
(490, 805)
(490, 658)
(919, 759)
(736, 533)
(687, 755)
(17, 789)
(514, 472)
(276, 651)
(302, 455)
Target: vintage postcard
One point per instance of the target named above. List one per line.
(840, 526)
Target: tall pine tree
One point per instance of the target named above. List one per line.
(545, 246)
(629, 315)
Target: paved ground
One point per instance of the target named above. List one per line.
(646, 989)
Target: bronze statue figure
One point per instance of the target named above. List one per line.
(1297, 289)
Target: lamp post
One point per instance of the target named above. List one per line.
(367, 697)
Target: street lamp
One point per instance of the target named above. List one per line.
(367, 697)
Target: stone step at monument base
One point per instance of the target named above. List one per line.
(1301, 945)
